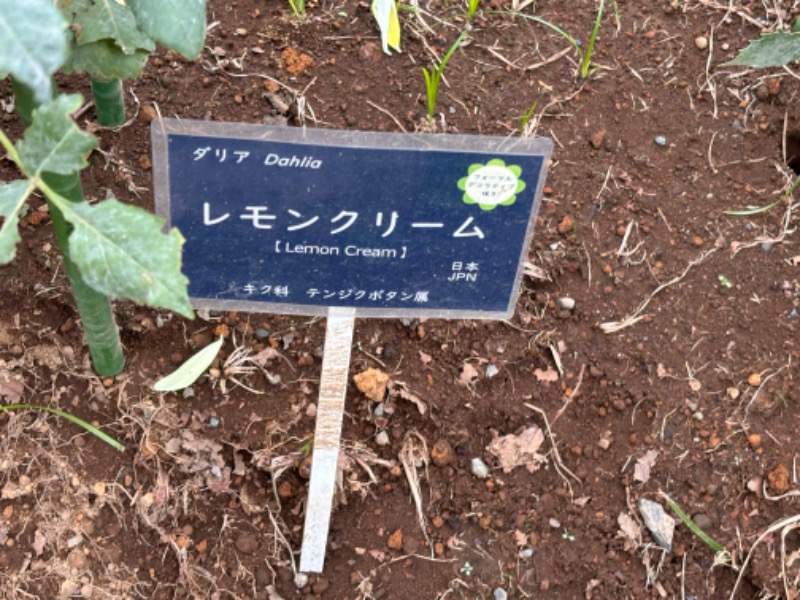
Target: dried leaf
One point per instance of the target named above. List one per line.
(520, 539)
(266, 355)
(469, 374)
(629, 528)
(548, 376)
(38, 542)
(406, 395)
(582, 501)
(517, 450)
(641, 471)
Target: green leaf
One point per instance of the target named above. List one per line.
(32, 43)
(69, 417)
(177, 24)
(12, 197)
(53, 143)
(188, 372)
(71, 8)
(104, 60)
(110, 20)
(772, 50)
(122, 252)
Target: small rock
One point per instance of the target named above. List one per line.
(554, 523)
(372, 383)
(382, 438)
(188, 392)
(766, 246)
(597, 139)
(755, 440)
(702, 520)
(321, 585)
(491, 370)
(214, 421)
(301, 580)
(261, 333)
(148, 114)
(701, 42)
(754, 380)
(247, 543)
(442, 453)
(566, 225)
(565, 303)
(499, 594)
(410, 545)
(395, 541)
(660, 140)
(779, 479)
(660, 524)
(479, 468)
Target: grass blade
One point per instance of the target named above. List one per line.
(707, 539)
(752, 211)
(65, 415)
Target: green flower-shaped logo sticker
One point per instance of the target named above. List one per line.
(491, 184)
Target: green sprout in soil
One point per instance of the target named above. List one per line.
(526, 117)
(704, 537)
(467, 569)
(298, 8)
(567, 536)
(65, 415)
(434, 76)
(586, 63)
(724, 281)
(586, 68)
(472, 9)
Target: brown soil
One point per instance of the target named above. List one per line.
(208, 499)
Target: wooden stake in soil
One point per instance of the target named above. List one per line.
(327, 436)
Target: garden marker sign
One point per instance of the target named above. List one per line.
(347, 224)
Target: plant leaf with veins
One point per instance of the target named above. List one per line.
(177, 24)
(771, 50)
(188, 372)
(12, 197)
(122, 252)
(32, 42)
(110, 20)
(104, 60)
(53, 143)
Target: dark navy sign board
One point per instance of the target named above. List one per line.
(297, 220)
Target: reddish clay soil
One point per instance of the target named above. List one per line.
(675, 371)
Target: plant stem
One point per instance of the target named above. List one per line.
(94, 309)
(108, 102)
(24, 100)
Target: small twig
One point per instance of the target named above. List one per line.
(636, 316)
(568, 398)
(557, 462)
(390, 115)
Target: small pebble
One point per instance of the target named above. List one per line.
(565, 303)
(554, 523)
(274, 379)
(491, 370)
(660, 524)
(382, 439)
(766, 246)
(526, 552)
(702, 521)
(301, 580)
(188, 392)
(660, 140)
(754, 379)
(262, 333)
(701, 42)
(479, 468)
(214, 422)
(499, 594)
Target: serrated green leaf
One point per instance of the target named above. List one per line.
(53, 143)
(12, 197)
(104, 60)
(110, 20)
(122, 252)
(177, 24)
(188, 372)
(32, 43)
(771, 50)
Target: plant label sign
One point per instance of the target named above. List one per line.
(293, 220)
(347, 224)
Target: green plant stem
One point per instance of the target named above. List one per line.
(587, 56)
(65, 415)
(108, 102)
(24, 101)
(94, 309)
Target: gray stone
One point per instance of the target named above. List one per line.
(479, 468)
(565, 303)
(660, 524)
